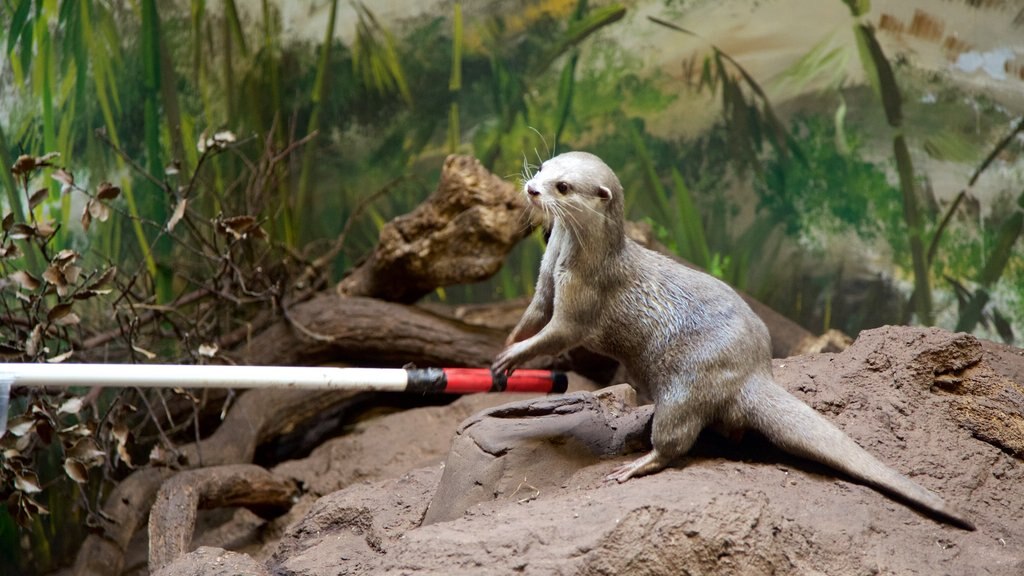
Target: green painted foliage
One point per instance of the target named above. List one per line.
(833, 191)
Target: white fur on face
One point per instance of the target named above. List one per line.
(572, 188)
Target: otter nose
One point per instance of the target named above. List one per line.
(532, 191)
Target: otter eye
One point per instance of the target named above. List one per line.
(562, 187)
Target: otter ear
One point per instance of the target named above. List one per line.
(604, 193)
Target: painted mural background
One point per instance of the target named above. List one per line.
(849, 163)
(757, 137)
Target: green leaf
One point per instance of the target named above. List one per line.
(880, 74)
(579, 31)
(858, 7)
(823, 61)
(1001, 251)
(566, 89)
(18, 24)
(689, 219)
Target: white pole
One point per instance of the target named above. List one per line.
(5, 399)
(190, 376)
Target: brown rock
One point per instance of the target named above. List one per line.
(517, 450)
(729, 509)
(207, 561)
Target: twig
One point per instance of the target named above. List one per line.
(323, 260)
(315, 336)
(933, 247)
(536, 492)
(102, 135)
(152, 416)
(145, 318)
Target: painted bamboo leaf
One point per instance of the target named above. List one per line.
(878, 68)
(689, 218)
(455, 80)
(566, 90)
(375, 59)
(580, 29)
(317, 97)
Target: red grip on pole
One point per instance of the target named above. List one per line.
(469, 380)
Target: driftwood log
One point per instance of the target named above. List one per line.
(369, 332)
(461, 233)
(256, 417)
(331, 329)
(125, 510)
(172, 518)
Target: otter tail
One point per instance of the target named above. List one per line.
(800, 430)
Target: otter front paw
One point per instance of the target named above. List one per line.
(508, 359)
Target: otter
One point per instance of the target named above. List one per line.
(686, 337)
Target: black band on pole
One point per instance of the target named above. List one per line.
(426, 380)
(499, 381)
(559, 382)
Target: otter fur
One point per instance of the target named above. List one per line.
(686, 337)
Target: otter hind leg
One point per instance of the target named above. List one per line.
(675, 428)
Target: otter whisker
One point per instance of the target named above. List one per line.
(547, 148)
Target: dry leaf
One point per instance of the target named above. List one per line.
(27, 482)
(23, 165)
(122, 433)
(25, 280)
(179, 212)
(21, 425)
(71, 274)
(224, 137)
(54, 276)
(159, 456)
(70, 406)
(21, 231)
(80, 429)
(87, 215)
(104, 279)
(107, 191)
(86, 294)
(65, 256)
(71, 319)
(76, 470)
(149, 355)
(64, 177)
(10, 251)
(62, 357)
(45, 229)
(31, 507)
(37, 197)
(98, 210)
(122, 453)
(87, 452)
(59, 311)
(34, 340)
(240, 226)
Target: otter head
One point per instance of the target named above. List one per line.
(576, 187)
